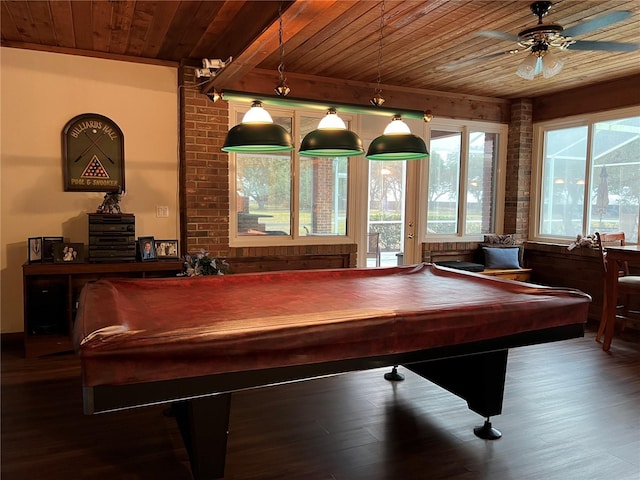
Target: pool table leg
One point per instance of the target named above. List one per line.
(478, 379)
(204, 425)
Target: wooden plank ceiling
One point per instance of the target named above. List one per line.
(339, 40)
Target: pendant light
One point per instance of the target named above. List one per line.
(257, 133)
(331, 139)
(397, 143)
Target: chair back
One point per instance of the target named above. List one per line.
(610, 239)
(373, 246)
(616, 238)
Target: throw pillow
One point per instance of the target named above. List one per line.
(508, 239)
(504, 258)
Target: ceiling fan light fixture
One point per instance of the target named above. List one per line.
(331, 139)
(551, 65)
(527, 69)
(397, 143)
(257, 133)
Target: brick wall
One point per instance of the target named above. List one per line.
(204, 181)
(323, 189)
(519, 162)
(489, 182)
(446, 251)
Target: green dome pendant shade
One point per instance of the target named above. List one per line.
(257, 133)
(331, 139)
(397, 143)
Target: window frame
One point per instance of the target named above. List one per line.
(358, 185)
(237, 109)
(539, 141)
(465, 127)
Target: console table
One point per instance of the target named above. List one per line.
(51, 291)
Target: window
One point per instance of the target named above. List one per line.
(280, 199)
(283, 197)
(589, 176)
(263, 186)
(323, 190)
(463, 180)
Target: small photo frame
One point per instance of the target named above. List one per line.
(64, 252)
(34, 245)
(166, 249)
(48, 245)
(146, 249)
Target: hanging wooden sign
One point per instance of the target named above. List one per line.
(93, 154)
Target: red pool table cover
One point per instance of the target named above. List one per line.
(141, 330)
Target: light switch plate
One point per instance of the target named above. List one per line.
(162, 211)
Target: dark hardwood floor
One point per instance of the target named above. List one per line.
(571, 411)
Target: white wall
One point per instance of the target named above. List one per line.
(40, 93)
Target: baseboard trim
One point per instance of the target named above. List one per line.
(11, 340)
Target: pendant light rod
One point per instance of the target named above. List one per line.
(378, 99)
(282, 89)
(301, 103)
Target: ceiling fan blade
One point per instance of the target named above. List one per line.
(596, 23)
(606, 46)
(465, 63)
(499, 35)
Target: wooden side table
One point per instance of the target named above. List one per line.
(520, 274)
(51, 291)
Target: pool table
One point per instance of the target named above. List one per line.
(192, 341)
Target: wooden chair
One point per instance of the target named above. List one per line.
(373, 246)
(628, 285)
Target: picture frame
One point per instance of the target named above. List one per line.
(146, 249)
(34, 249)
(66, 252)
(167, 249)
(48, 245)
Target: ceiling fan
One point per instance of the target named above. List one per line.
(539, 40)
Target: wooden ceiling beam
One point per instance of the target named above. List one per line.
(297, 17)
(618, 93)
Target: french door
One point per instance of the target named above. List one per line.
(393, 204)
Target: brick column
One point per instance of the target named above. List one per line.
(519, 162)
(204, 170)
